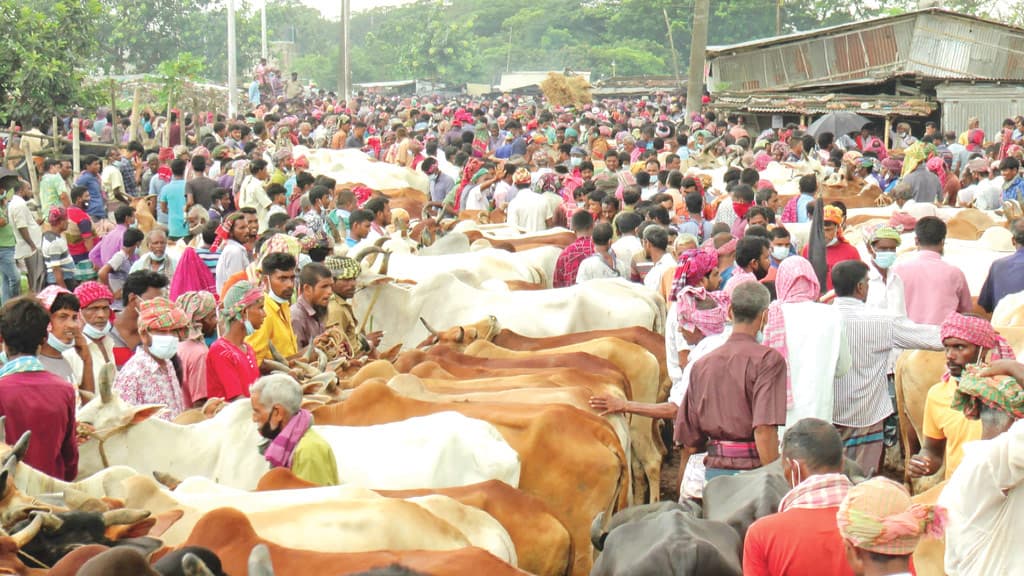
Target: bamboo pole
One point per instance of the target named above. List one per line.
(167, 126)
(136, 126)
(76, 152)
(888, 129)
(30, 165)
(113, 112)
(55, 134)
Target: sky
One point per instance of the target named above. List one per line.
(331, 8)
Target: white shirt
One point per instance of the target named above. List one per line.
(985, 504)
(674, 344)
(706, 346)
(476, 200)
(21, 217)
(627, 247)
(887, 293)
(653, 278)
(529, 211)
(253, 195)
(594, 267)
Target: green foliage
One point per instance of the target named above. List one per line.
(173, 77)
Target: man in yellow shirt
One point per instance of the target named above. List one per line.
(277, 410)
(968, 340)
(278, 270)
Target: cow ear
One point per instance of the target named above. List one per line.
(145, 412)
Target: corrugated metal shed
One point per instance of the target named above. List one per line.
(816, 104)
(929, 44)
(990, 103)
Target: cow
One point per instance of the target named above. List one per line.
(1009, 311)
(473, 268)
(542, 542)
(570, 459)
(10, 547)
(443, 298)
(225, 448)
(229, 534)
(60, 533)
(740, 500)
(930, 553)
(351, 167)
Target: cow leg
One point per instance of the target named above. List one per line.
(908, 434)
(648, 450)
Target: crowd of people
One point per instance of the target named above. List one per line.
(190, 268)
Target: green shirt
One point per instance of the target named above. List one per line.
(50, 189)
(7, 233)
(278, 177)
(313, 460)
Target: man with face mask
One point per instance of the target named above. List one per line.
(278, 273)
(837, 249)
(345, 272)
(968, 340)
(95, 300)
(885, 289)
(803, 537)
(231, 365)
(157, 259)
(138, 287)
(736, 398)
(64, 352)
(149, 377)
(440, 183)
(292, 442)
(861, 396)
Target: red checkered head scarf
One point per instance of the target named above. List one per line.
(161, 314)
(979, 332)
(694, 266)
(879, 516)
(709, 321)
(91, 291)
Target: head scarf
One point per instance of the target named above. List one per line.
(57, 215)
(91, 291)
(226, 229)
(878, 516)
(938, 166)
(549, 182)
(710, 321)
(343, 267)
(917, 153)
(893, 165)
(161, 314)
(833, 214)
(885, 233)
(1001, 392)
(166, 154)
(761, 161)
(196, 306)
(191, 274)
(281, 156)
(779, 149)
(975, 139)
(795, 281)
(49, 294)
(521, 176)
(977, 331)
(694, 266)
(240, 296)
(472, 166)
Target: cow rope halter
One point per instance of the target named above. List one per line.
(101, 438)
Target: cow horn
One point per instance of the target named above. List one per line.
(366, 252)
(26, 534)
(260, 563)
(51, 523)
(82, 502)
(21, 446)
(166, 479)
(462, 335)
(124, 516)
(106, 380)
(194, 566)
(427, 326)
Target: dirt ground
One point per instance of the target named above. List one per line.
(670, 476)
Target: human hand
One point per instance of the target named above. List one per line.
(607, 404)
(921, 465)
(1010, 368)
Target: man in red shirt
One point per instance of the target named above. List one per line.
(837, 249)
(79, 234)
(33, 399)
(803, 537)
(569, 260)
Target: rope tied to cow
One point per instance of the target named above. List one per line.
(85, 433)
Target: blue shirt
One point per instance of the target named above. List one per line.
(801, 207)
(702, 229)
(97, 207)
(1006, 276)
(173, 193)
(1014, 190)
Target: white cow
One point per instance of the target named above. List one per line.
(425, 452)
(474, 267)
(348, 166)
(444, 300)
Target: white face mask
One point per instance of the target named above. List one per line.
(780, 252)
(833, 241)
(164, 346)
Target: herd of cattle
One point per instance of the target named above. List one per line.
(471, 450)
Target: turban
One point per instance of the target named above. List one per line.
(761, 161)
(301, 161)
(604, 131)
(342, 267)
(694, 266)
(937, 166)
(521, 176)
(196, 306)
(709, 321)
(56, 215)
(885, 233)
(166, 154)
(763, 184)
(161, 314)
(201, 151)
(852, 157)
(240, 296)
(1000, 392)
(180, 150)
(833, 214)
(892, 165)
(978, 165)
(795, 282)
(727, 248)
(977, 331)
(878, 516)
(91, 291)
(280, 243)
(220, 151)
(571, 133)
(49, 294)
(547, 183)
(282, 155)
(779, 149)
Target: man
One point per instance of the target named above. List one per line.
(60, 268)
(234, 256)
(885, 289)
(319, 201)
(628, 245)
(861, 396)
(253, 194)
(138, 287)
(694, 222)
(1006, 275)
(278, 271)
(64, 352)
(127, 166)
(355, 138)
(95, 300)
(868, 518)
(925, 184)
(33, 399)
(52, 189)
(111, 177)
(111, 243)
(803, 538)
(316, 285)
(837, 248)
(983, 497)
(737, 394)
(360, 222)
(968, 340)
(97, 204)
(528, 209)
(157, 259)
(379, 206)
(753, 255)
(277, 411)
(933, 289)
(568, 262)
(172, 201)
(79, 235)
(149, 376)
(656, 248)
(796, 208)
(1013, 183)
(199, 190)
(28, 237)
(200, 310)
(603, 263)
(440, 183)
(339, 306)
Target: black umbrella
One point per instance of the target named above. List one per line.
(837, 123)
(8, 179)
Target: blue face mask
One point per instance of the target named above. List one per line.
(276, 298)
(57, 345)
(96, 333)
(156, 258)
(884, 259)
(248, 328)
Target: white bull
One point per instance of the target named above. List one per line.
(437, 451)
(350, 165)
(474, 268)
(444, 300)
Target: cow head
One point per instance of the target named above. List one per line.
(14, 504)
(462, 335)
(11, 545)
(51, 536)
(107, 411)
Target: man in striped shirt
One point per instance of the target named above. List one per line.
(861, 396)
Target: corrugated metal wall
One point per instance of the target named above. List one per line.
(990, 103)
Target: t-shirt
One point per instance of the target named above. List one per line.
(941, 421)
(45, 404)
(20, 217)
(50, 188)
(174, 195)
(530, 211)
(797, 541)
(97, 204)
(79, 229)
(120, 266)
(56, 255)
(7, 236)
(229, 370)
(201, 188)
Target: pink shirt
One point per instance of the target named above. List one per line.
(192, 354)
(933, 288)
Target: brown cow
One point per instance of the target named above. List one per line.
(228, 533)
(542, 542)
(968, 224)
(571, 459)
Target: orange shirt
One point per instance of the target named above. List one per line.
(796, 542)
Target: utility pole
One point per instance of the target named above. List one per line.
(344, 74)
(263, 30)
(508, 54)
(778, 17)
(672, 46)
(232, 64)
(698, 43)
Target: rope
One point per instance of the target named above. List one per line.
(34, 559)
(373, 302)
(102, 437)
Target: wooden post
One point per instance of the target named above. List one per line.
(10, 141)
(167, 126)
(76, 152)
(56, 137)
(888, 129)
(113, 113)
(136, 126)
(30, 165)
